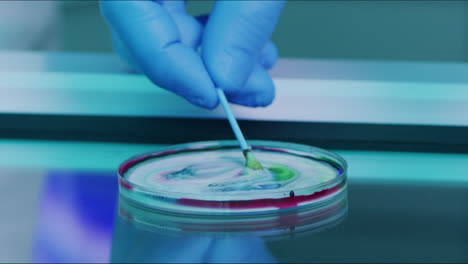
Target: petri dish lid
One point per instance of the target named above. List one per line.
(209, 178)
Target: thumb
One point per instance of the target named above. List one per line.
(234, 36)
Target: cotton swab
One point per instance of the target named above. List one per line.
(250, 161)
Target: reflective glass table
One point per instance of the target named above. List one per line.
(59, 203)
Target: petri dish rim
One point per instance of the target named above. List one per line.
(214, 225)
(306, 151)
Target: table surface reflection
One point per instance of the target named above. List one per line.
(59, 203)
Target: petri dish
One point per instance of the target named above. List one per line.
(204, 187)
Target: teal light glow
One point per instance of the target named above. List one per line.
(67, 155)
(364, 166)
(381, 102)
(406, 167)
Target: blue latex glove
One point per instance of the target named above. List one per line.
(160, 39)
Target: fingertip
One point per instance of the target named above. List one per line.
(208, 101)
(181, 71)
(267, 95)
(265, 99)
(248, 101)
(269, 56)
(261, 83)
(231, 81)
(259, 90)
(228, 69)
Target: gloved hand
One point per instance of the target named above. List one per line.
(160, 39)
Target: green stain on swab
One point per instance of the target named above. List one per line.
(250, 161)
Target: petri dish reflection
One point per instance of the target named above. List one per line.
(197, 203)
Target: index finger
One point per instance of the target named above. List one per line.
(152, 38)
